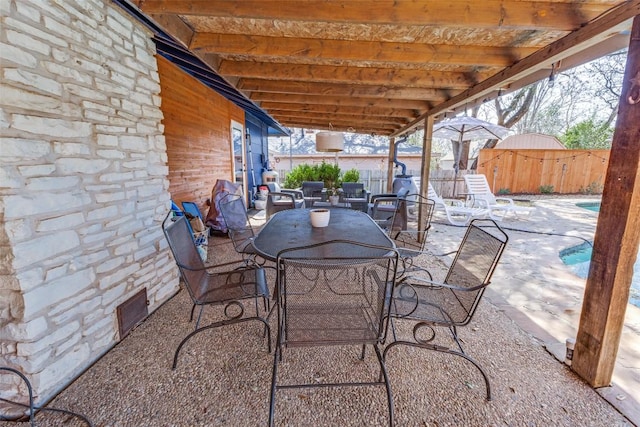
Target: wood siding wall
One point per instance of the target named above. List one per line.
(526, 171)
(197, 129)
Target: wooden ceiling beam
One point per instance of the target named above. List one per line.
(459, 13)
(339, 117)
(346, 110)
(175, 26)
(353, 75)
(347, 90)
(609, 25)
(340, 100)
(338, 126)
(414, 53)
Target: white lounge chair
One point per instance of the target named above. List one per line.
(457, 213)
(499, 207)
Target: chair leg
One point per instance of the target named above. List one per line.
(199, 316)
(387, 385)
(277, 358)
(443, 349)
(31, 405)
(217, 324)
(193, 309)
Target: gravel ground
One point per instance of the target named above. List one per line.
(223, 379)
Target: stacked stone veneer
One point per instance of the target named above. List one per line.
(83, 186)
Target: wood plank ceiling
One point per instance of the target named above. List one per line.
(382, 66)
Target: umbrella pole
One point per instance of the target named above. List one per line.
(457, 165)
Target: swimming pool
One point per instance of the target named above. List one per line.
(578, 259)
(592, 206)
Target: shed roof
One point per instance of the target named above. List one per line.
(531, 141)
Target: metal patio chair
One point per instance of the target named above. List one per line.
(224, 288)
(19, 408)
(409, 229)
(452, 302)
(235, 216)
(329, 294)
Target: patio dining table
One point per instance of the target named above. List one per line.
(292, 228)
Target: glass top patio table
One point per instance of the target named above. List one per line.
(292, 228)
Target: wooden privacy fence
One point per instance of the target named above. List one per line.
(513, 171)
(544, 171)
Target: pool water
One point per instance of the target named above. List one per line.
(579, 257)
(592, 206)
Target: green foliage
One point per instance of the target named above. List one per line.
(352, 175)
(546, 189)
(588, 134)
(302, 172)
(504, 191)
(593, 188)
(325, 172)
(329, 174)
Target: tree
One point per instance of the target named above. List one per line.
(588, 134)
(515, 107)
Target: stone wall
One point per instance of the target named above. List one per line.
(83, 183)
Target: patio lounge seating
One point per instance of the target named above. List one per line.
(499, 207)
(312, 191)
(333, 294)
(298, 195)
(225, 288)
(356, 195)
(452, 302)
(277, 202)
(455, 210)
(383, 209)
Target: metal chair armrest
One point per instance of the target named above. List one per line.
(426, 283)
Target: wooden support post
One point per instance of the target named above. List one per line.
(426, 168)
(617, 237)
(390, 165)
(426, 156)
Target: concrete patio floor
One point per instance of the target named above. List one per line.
(223, 376)
(544, 296)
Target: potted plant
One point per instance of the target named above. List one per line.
(334, 195)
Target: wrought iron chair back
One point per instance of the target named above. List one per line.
(235, 216)
(409, 228)
(452, 302)
(411, 222)
(226, 288)
(334, 293)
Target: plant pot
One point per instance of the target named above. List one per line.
(334, 200)
(319, 217)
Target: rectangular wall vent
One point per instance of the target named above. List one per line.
(131, 312)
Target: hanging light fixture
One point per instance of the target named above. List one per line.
(330, 141)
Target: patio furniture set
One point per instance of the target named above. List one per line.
(346, 284)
